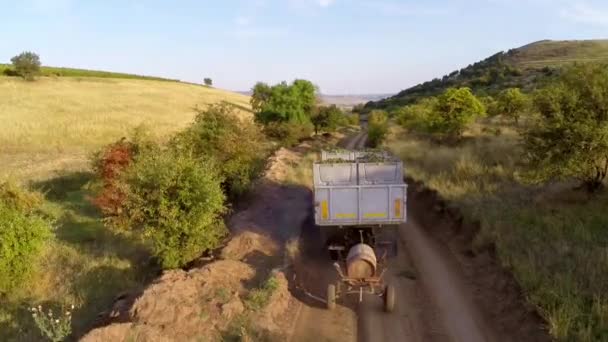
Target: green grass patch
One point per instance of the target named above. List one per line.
(553, 237)
(84, 264)
(259, 298)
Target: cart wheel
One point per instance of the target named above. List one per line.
(389, 298)
(331, 297)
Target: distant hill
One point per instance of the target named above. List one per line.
(6, 70)
(342, 101)
(526, 67)
(349, 101)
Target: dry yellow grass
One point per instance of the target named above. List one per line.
(54, 123)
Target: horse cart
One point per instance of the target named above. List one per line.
(359, 200)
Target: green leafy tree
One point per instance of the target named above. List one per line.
(284, 102)
(569, 138)
(26, 65)
(327, 118)
(417, 116)
(512, 103)
(454, 111)
(208, 82)
(377, 127)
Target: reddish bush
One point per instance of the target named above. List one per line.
(109, 165)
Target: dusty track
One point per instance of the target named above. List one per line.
(436, 301)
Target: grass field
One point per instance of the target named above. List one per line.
(48, 130)
(49, 71)
(557, 53)
(553, 237)
(54, 123)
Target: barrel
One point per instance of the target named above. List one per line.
(361, 262)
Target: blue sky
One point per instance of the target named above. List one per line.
(344, 46)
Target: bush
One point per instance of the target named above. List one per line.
(378, 128)
(353, 119)
(569, 138)
(238, 146)
(12, 196)
(22, 235)
(178, 202)
(454, 111)
(328, 118)
(288, 133)
(417, 116)
(27, 65)
(110, 163)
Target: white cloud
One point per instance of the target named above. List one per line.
(242, 21)
(325, 3)
(584, 13)
(311, 3)
(401, 9)
(260, 32)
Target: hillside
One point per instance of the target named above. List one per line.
(49, 71)
(526, 67)
(55, 123)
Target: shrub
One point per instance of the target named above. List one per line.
(22, 235)
(454, 111)
(27, 65)
(288, 133)
(178, 202)
(353, 119)
(512, 103)
(569, 139)
(16, 198)
(110, 163)
(417, 116)
(237, 145)
(378, 128)
(327, 118)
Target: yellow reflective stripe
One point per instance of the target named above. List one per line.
(374, 215)
(398, 208)
(324, 210)
(346, 216)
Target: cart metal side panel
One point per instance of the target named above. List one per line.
(335, 174)
(360, 205)
(380, 173)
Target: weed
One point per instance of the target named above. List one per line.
(259, 298)
(54, 327)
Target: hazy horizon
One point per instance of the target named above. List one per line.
(349, 47)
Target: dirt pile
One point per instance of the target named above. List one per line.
(242, 295)
(184, 305)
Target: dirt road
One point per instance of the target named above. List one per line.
(433, 300)
(438, 295)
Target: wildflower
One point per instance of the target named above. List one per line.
(72, 306)
(56, 321)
